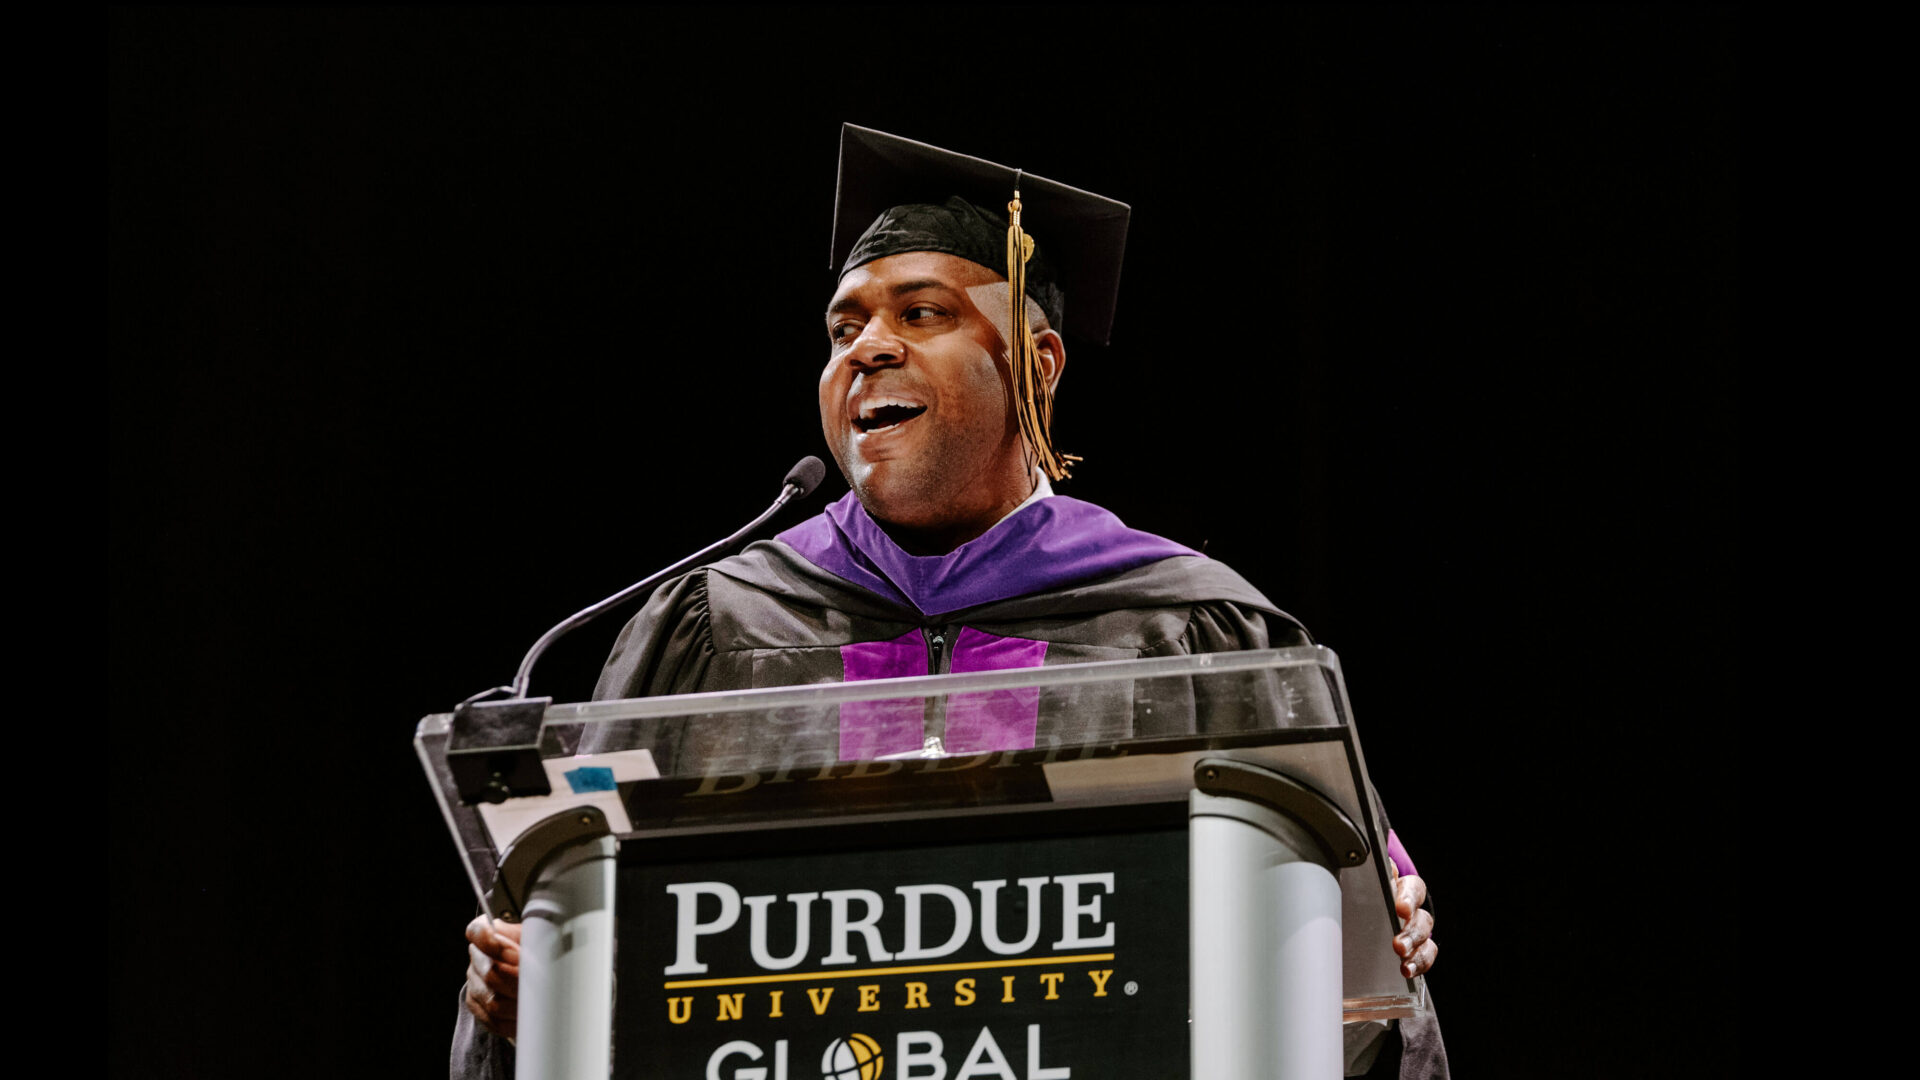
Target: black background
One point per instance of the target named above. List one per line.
(429, 327)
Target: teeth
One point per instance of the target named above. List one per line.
(885, 411)
(871, 407)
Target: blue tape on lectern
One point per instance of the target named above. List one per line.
(591, 778)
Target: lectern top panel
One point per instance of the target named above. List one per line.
(1120, 731)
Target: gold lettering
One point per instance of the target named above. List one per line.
(1007, 982)
(917, 995)
(963, 992)
(1100, 981)
(731, 1005)
(825, 761)
(1052, 979)
(711, 785)
(776, 1004)
(956, 764)
(870, 998)
(679, 1010)
(819, 995)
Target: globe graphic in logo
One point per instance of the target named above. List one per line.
(855, 1057)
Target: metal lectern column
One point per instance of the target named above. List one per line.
(1266, 963)
(566, 965)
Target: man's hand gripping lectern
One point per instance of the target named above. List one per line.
(1162, 867)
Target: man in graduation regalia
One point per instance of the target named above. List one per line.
(951, 553)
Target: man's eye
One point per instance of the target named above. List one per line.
(922, 311)
(842, 331)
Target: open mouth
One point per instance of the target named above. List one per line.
(880, 416)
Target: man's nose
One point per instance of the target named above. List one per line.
(876, 347)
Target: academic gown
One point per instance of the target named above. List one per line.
(1059, 581)
(834, 600)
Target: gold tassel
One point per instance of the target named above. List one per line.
(1032, 394)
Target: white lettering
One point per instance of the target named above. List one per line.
(741, 1046)
(858, 912)
(757, 921)
(906, 1057)
(688, 927)
(1072, 911)
(841, 928)
(1034, 1071)
(990, 915)
(977, 1059)
(962, 921)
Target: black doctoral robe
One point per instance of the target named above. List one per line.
(833, 600)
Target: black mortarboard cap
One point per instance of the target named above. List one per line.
(937, 200)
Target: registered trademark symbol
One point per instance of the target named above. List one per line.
(1131, 988)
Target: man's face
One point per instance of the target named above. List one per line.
(916, 401)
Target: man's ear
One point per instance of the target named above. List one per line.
(1053, 356)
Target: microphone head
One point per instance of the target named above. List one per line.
(806, 476)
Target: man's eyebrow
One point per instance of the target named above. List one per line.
(906, 287)
(848, 303)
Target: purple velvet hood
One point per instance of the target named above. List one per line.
(1047, 544)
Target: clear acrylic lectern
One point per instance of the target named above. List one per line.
(1169, 866)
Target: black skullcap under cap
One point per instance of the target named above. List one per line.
(896, 195)
(956, 227)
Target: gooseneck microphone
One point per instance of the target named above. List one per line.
(800, 482)
(493, 747)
